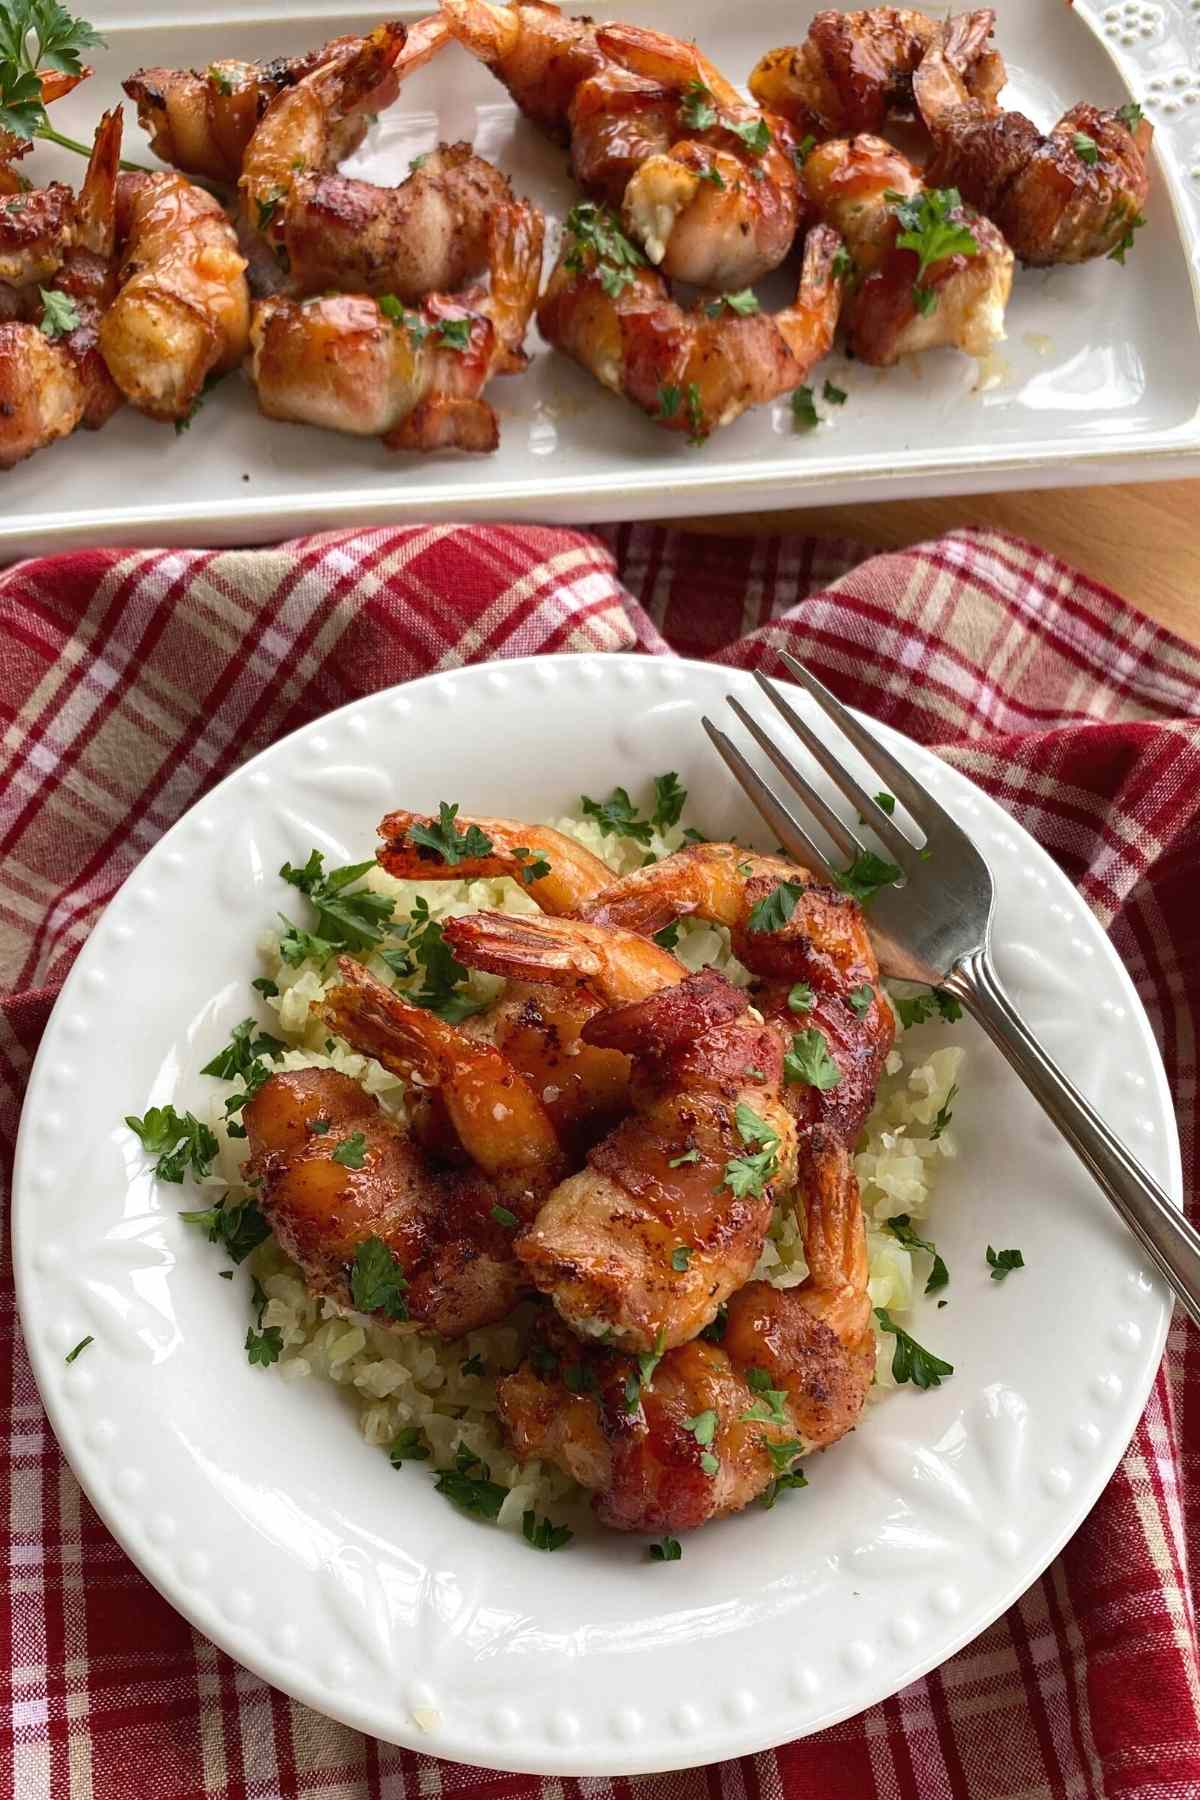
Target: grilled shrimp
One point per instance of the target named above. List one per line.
(647, 1241)
(201, 122)
(854, 70)
(688, 371)
(704, 182)
(960, 299)
(325, 230)
(554, 869)
(1075, 194)
(808, 967)
(712, 1427)
(182, 313)
(436, 1221)
(52, 375)
(413, 378)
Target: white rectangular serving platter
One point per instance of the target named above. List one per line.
(1099, 379)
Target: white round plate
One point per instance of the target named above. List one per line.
(257, 1510)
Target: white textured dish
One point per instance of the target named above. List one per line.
(1099, 379)
(255, 1508)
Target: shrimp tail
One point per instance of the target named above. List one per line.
(516, 231)
(488, 32)
(447, 422)
(618, 966)
(96, 207)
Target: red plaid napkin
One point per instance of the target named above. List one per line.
(131, 681)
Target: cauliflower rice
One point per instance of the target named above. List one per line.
(398, 1377)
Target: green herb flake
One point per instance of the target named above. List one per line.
(835, 396)
(681, 1256)
(533, 867)
(262, 984)
(264, 1347)
(351, 1153)
(668, 1549)
(238, 1226)
(901, 1229)
(930, 227)
(443, 840)
(542, 1534)
(408, 1445)
(859, 1000)
(697, 109)
(1086, 148)
(468, 1485)
(1003, 1262)
(597, 232)
(377, 1282)
(504, 1217)
(668, 402)
(80, 1347)
(246, 1046)
(1130, 115)
(454, 334)
(1122, 249)
(754, 133)
(773, 911)
(223, 82)
(670, 798)
(915, 1009)
(769, 1404)
(617, 816)
(804, 410)
(943, 1115)
(801, 998)
(60, 315)
(179, 1140)
(685, 1156)
(866, 875)
(348, 917)
(749, 1175)
(668, 937)
(911, 1361)
(808, 1063)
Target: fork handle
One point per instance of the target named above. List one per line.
(1168, 1238)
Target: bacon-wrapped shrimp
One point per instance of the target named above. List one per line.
(668, 1216)
(854, 70)
(894, 307)
(325, 230)
(52, 375)
(816, 969)
(1065, 197)
(351, 363)
(689, 371)
(704, 182)
(200, 121)
(449, 1227)
(182, 312)
(710, 1427)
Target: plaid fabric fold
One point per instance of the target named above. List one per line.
(131, 681)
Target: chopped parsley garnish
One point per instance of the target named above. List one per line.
(1130, 115)
(911, 1362)
(264, 1347)
(632, 1393)
(808, 1062)
(444, 991)
(268, 205)
(944, 1115)
(648, 1360)
(714, 1331)
(179, 1141)
(533, 867)
(803, 150)
(598, 230)
(408, 1445)
(703, 1427)
(444, 840)
(377, 1282)
(542, 1534)
(668, 402)
(836, 396)
(348, 917)
(1086, 148)
(697, 430)
(804, 410)
(416, 327)
(801, 998)
(668, 937)
(750, 1174)
(859, 1000)
(714, 175)
(317, 1127)
(470, 1487)
(929, 228)
(1121, 250)
(791, 1478)
(220, 80)
(681, 1256)
(474, 1365)
(670, 798)
(79, 1348)
(454, 334)
(240, 1060)
(668, 1549)
(769, 1405)
(773, 911)
(351, 1153)
(258, 1300)
(842, 266)
(240, 1228)
(886, 803)
(60, 314)
(866, 875)
(901, 1229)
(782, 1454)
(754, 133)
(504, 1217)
(697, 109)
(745, 302)
(262, 984)
(914, 1009)
(617, 816)
(1003, 1262)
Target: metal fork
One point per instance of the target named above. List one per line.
(933, 925)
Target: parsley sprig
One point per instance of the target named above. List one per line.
(773, 911)
(911, 1361)
(237, 1225)
(348, 917)
(808, 1063)
(60, 315)
(179, 1140)
(930, 228)
(902, 1230)
(442, 838)
(1003, 1262)
(377, 1282)
(914, 1009)
(469, 1486)
(749, 1174)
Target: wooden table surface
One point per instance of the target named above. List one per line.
(1143, 541)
